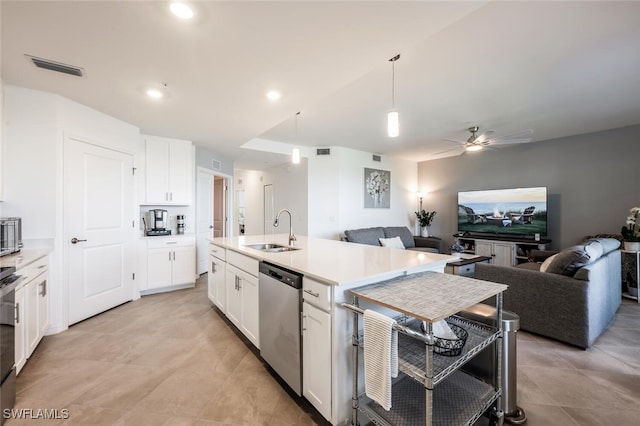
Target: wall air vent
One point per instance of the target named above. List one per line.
(216, 164)
(56, 66)
(323, 151)
(376, 157)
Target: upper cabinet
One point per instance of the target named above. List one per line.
(169, 171)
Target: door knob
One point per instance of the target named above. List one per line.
(74, 240)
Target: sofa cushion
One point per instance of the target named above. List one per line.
(532, 266)
(402, 232)
(545, 265)
(394, 242)
(569, 260)
(369, 236)
(608, 244)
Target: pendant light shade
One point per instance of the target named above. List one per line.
(393, 118)
(393, 124)
(295, 156)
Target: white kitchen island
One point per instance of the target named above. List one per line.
(330, 268)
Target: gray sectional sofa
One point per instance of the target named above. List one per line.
(372, 236)
(574, 300)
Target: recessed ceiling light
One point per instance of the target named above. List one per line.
(273, 95)
(181, 10)
(154, 93)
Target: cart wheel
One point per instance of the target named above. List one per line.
(518, 418)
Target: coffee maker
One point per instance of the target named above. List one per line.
(158, 223)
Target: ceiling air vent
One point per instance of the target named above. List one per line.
(56, 66)
(376, 158)
(216, 164)
(323, 151)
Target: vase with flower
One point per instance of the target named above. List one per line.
(631, 231)
(424, 220)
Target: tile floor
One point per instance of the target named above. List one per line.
(170, 359)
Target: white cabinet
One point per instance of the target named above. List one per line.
(316, 358)
(316, 345)
(169, 171)
(20, 343)
(217, 272)
(170, 262)
(243, 302)
(242, 295)
(31, 310)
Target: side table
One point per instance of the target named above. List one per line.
(630, 274)
(466, 266)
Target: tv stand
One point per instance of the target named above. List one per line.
(503, 250)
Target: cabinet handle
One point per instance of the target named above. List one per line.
(304, 327)
(171, 196)
(213, 267)
(43, 286)
(42, 266)
(312, 293)
(17, 308)
(169, 256)
(174, 256)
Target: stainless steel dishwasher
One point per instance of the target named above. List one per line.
(280, 336)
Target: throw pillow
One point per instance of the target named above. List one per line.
(394, 242)
(569, 260)
(547, 262)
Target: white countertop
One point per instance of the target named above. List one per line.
(337, 262)
(23, 258)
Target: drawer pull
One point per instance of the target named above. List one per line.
(312, 293)
(17, 307)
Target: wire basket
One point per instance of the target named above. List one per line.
(450, 347)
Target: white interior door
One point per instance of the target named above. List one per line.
(98, 227)
(204, 216)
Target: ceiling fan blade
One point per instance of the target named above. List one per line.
(448, 150)
(486, 135)
(454, 140)
(510, 141)
(515, 134)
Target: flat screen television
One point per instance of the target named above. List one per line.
(515, 211)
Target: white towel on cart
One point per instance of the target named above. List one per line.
(380, 356)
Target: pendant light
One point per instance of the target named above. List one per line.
(393, 120)
(295, 153)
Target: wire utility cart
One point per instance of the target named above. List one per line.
(432, 389)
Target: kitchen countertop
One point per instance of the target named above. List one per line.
(23, 258)
(337, 262)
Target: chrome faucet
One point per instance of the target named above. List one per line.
(292, 238)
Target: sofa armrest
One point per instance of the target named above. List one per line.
(551, 305)
(429, 242)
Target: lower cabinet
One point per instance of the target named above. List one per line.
(170, 262)
(20, 331)
(502, 253)
(316, 358)
(243, 302)
(217, 287)
(31, 310)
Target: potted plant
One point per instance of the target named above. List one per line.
(424, 220)
(631, 231)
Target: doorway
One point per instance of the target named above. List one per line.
(212, 212)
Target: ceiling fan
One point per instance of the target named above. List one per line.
(477, 142)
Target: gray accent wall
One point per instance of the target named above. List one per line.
(592, 180)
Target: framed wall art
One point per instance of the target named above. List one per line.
(377, 189)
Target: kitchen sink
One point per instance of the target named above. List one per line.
(271, 247)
